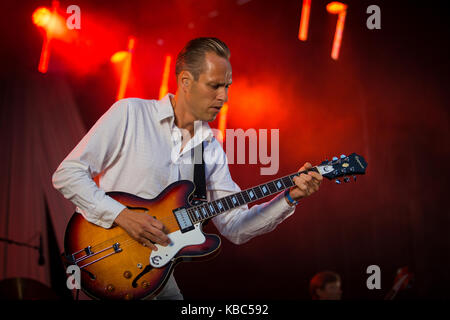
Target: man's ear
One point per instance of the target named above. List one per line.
(186, 79)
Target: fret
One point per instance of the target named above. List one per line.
(216, 207)
(224, 204)
(272, 187)
(258, 192)
(241, 200)
(212, 212)
(197, 213)
(287, 182)
(191, 216)
(251, 193)
(229, 202)
(245, 196)
(204, 211)
(279, 184)
(221, 205)
(212, 209)
(265, 190)
(234, 201)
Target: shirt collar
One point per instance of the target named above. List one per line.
(165, 111)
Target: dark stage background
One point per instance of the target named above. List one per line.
(386, 98)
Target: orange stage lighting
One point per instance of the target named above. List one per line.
(165, 80)
(119, 56)
(126, 69)
(222, 126)
(340, 9)
(41, 17)
(336, 7)
(304, 20)
(54, 27)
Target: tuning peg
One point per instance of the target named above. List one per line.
(335, 158)
(338, 181)
(343, 156)
(346, 179)
(354, 178)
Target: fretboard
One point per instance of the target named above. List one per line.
(211, 209)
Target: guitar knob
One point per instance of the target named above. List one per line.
(346, 179)
(110, 288)
(335, 158)
(338, 181)
(343, 156)
(354, 178)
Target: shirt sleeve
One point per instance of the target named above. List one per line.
(98, 149)
(241, 224)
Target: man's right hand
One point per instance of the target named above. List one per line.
(143, 228)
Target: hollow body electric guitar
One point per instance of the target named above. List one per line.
(115, 266)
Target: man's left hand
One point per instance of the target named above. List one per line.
(305, 184)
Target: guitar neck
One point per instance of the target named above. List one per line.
(211, 209)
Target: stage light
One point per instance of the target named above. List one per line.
(222, 126)
(341, 10)
(119, 56)
(53, 25)
(336, 7)
(41, 17)
(304, 20)
(126, 69)
(165, 79)
(52, 22)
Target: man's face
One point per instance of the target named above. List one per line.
(206, 96)
(332, 291)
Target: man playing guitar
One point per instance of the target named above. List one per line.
(141, 146)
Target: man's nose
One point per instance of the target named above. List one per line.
(223, 95)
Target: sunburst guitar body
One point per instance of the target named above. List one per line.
(115, 266)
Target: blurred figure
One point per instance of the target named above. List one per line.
(325, 285)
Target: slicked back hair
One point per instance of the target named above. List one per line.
(192, 57)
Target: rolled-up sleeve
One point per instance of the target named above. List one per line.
(98, 149)
(241, 224)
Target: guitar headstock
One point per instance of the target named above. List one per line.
(344, 166)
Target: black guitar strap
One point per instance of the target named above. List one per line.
(199, 195)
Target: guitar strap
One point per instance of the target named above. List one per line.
(199, 195)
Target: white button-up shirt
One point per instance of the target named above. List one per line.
(135, 148)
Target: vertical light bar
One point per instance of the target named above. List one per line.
(45, 55)
(42, 17)
(223, 121)
(340, 9)
(304, 20)
(165, 79)
(126, 70)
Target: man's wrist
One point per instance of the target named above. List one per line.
(291, 202)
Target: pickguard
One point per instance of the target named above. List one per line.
(178, 240)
